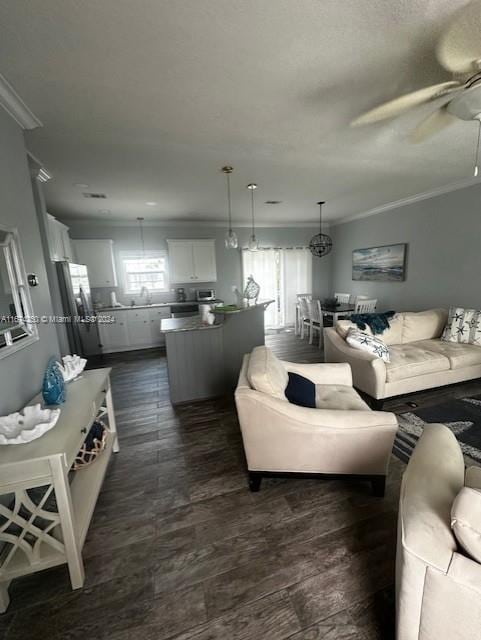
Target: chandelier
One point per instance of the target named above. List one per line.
(320, 244)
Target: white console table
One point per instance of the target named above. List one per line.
(33, 535)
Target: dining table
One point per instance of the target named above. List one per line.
(335, 310)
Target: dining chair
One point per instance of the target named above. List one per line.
(298, 319)
(343, 298)
(365, 305)
(315, 321)
(304, 319)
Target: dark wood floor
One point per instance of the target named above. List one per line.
(179, 548)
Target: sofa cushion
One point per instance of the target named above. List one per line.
(267, 374)
(393, 335)
(464, 326)
(364, 342)
(410, 360)
(338, 396)
(423, 325)
(466, 521)
(301, 391)
(459, 355)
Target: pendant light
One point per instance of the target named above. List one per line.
(253, 244)
(231, 241)
(320, 244)
(141, 231)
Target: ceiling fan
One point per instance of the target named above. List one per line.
(459, 51)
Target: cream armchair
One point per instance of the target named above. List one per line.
(341, 436)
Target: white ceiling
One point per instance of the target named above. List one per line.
(145, 100)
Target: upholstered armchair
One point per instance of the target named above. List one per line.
(341, 436)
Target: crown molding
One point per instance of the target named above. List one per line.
(16, 107)
(403, 202)
(190, 223)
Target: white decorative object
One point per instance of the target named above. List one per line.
(365, 342)
(72, 367)
(27, 425)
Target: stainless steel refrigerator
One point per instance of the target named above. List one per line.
(83, 334)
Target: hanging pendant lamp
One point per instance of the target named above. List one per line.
(253, 243)
(141, 231)
(320, 244)
(231, 241)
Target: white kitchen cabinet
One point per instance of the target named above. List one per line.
(192, 261)
(133, 328)
(59, 243)
(138, 325)
(114, 336)
(156, 314)
(98, 255)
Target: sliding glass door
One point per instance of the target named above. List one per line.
(282, 273)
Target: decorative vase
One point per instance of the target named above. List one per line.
(53, 390)
(252, 290)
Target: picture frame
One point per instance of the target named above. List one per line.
(385, 263)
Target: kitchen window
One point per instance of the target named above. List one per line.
(148, 269)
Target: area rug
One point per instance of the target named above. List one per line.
(462, 416)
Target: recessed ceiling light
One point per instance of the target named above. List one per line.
(104, 211)
(151, 204)
(81, 185)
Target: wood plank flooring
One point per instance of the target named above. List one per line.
(180, 549)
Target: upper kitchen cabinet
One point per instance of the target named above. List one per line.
(59, 241)
(98, 255)
(192, 261)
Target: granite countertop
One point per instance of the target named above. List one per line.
(147, 306)
(261, 303)
(193, 323)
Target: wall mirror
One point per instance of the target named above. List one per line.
(18, 327)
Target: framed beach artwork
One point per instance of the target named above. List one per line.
(385, 264)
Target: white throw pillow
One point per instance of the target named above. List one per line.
(267, 374)
(466, 521)
(463, 325)
(364, 342)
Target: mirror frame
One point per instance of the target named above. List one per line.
(12, 252)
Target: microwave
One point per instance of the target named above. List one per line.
(205, 294)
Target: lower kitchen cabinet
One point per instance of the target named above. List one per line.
(136, 328)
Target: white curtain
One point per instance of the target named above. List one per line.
(281, 274)
(263, 266)
(296, 277)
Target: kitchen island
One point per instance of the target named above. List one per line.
(204, 360)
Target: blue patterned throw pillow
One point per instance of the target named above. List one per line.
(364, 342)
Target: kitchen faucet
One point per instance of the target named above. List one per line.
(146, 293)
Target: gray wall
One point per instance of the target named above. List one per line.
(443, 254)
(229, 269)
(21, 373)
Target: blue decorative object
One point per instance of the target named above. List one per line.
(53, 390)
(377, 322)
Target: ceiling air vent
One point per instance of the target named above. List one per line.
(273, 202)
(97, 196)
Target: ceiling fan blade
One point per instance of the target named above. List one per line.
(433, 124)
(403, 103)
(459, 48)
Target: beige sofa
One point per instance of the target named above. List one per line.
(438, 586)
(419, 358)
(341, 436)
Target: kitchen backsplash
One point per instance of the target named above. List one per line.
(101, 295)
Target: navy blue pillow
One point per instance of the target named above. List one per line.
(301, 391)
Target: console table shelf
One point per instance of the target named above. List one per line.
(33, 534)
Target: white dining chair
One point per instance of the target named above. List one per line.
(343, 298)
(298, 319)
(304, 319)
(365, 305)
(315, 321)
